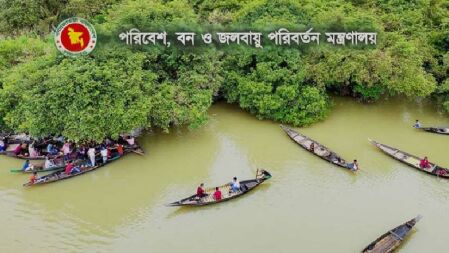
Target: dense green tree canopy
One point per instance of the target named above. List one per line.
(118, 88)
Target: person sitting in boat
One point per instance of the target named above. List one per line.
(119, 149)
(104, 154)
(2, 145)
(235, 185)
(312, 146)
(354, 166)
(18, 149)
(424, 163)
(200, 193)
(51, 149)
(217, 194)
(33, 178)
(48, 163)
(417, 124)
(75, 170)
(32, 151)
(68, 168)
(26, 165)
(439, 171)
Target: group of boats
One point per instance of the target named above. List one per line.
(384, 244)
(326, 154)
(392, 239)
(13, 143)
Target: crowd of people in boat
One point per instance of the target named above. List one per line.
(75, 158)
(54, 147)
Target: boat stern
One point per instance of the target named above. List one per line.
(263, 175)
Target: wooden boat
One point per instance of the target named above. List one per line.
(437, 130)
(12, 145)
(391, 240)
(10, 152)
(84, 168)
(245, 187)
(39, 167)
(411, 160)
(318, 150)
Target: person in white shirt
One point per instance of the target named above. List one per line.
(417, 124)
(235, 185)
(91, 154)
(104, 154)
(48, 163)
(130, 140)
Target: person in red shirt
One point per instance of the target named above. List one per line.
(217, 194)
(120, 149)
(33, 178)
(424, 163)
(200, 193)
(68, 168)
(18, 149)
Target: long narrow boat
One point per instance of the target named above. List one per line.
(12, 146)
(437, 130)
(59, 164)
(411, 160)
(318, 150)
(391, 240)
(39, 169)
(61, 175)
(245, 187)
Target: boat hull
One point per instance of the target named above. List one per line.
(245, 186)
(391, 240)
(321, 151)
(411, 160)
(436, 130)
(60, 175)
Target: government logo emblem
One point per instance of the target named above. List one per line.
(75, 36)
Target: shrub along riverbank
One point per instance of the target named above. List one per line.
(118, 88)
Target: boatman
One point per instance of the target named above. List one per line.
(354, 166)
(417, 124)
(312, 147)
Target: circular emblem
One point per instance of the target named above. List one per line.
(75, 36)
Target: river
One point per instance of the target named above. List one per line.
(308, 205)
